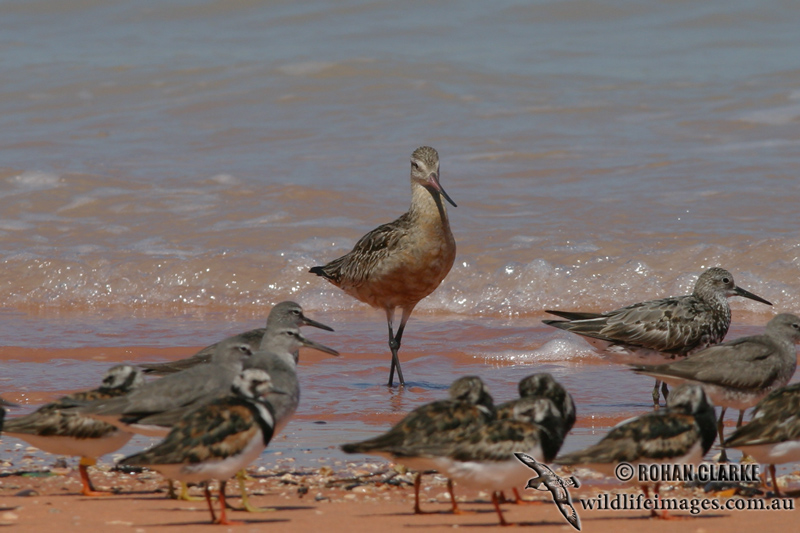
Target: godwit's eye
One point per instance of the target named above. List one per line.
(415, 165)
(726, 280)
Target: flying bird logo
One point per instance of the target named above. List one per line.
(546, 479)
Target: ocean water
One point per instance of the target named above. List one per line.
(170, 170)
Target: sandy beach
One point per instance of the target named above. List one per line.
(364, 497)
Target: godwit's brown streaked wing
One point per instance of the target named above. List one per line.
(400, 263)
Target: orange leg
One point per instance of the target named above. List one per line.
(775, 487)
(455, 509)
(223, 519)
(417, 484)
(207, 492)
(496, 502)
(88, 488)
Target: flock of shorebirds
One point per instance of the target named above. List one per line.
(218, 410)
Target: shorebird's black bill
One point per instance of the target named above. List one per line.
(746, 294)
(317, 346)
(433, 179)
(313, 323)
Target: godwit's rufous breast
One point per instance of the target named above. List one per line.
(675, 327)
(400, 263)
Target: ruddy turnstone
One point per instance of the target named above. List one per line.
(542, 385)
(773, 435)
(469, 407)
(400, 263)
(681, 433)
(218, 439)
(52, 430)
(484, 458)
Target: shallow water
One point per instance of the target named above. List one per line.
(171, 170)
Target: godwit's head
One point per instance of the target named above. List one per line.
(425, 171)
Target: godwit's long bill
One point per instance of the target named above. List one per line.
(400, 263)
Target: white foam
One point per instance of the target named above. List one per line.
(225, 179)
(776, 116)
(305, 69)
(32, 179)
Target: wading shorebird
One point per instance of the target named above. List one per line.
(675, 327)
(54, 431)
(400, 263)
(469, 407)
(681, 433)
(218, 439)
(773, 435)
(289, 313)
(739, 373)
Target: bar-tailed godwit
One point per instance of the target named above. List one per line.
(400, 263)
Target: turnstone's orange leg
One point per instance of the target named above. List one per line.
(88, 488)
(223, 519)
(496, 502)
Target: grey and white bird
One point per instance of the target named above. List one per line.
(675, 326)
(681, 433)
(55, 431)
(130, 412)
(287, 312)
(278, 356)
(773, 435)
(218, 439)
(739, 373)
(400, 263)
(469, 407)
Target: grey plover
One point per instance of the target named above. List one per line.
(773, 435)
(468, 407)
(737, 374)
(218, 439)
(681, 433)
(52, 430)
(676, 326)
(400, 263)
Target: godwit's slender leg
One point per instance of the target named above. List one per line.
(394, 343)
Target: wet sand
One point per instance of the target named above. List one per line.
(349, 499)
